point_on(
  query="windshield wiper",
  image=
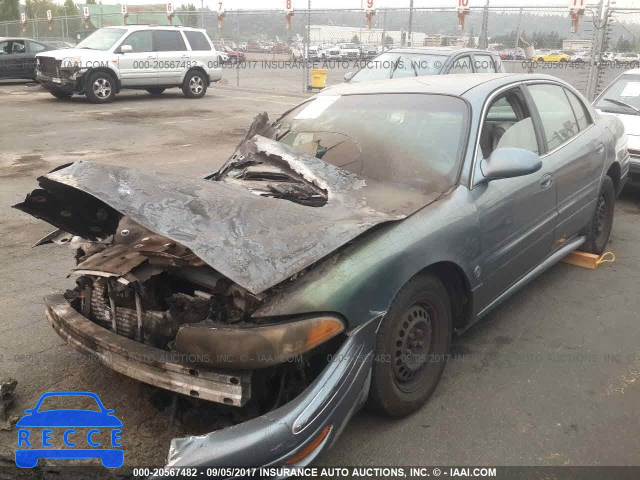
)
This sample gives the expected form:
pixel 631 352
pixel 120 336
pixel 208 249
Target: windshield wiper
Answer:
pixel 623 104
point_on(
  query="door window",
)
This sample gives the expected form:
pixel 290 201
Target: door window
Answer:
pixel 582 115
pixel 18 46
pixel 140 41
pixel 36 47
pixel 5 47
pixel 462 65
pixel 168 41
pixel 484 64
pixel 558 120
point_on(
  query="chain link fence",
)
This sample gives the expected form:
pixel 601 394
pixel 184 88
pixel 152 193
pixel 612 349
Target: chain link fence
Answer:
pixel 535 39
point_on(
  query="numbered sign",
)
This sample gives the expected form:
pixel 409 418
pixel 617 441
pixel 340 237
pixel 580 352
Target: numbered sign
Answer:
pixel 123 9
pixel 220 9
pixel 576 4
pixel 169 8
pixel 85 12
pixel 49 16
pixel 288 7
pixel 464 5
pixel 371 5
pixel 23 18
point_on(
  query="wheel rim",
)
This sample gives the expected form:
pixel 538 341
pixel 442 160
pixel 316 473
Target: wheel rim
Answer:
pixel 413 340
pixel 601 216
pixel 196 85
pixel 102 88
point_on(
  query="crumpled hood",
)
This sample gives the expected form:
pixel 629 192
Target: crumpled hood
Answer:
pixel 75 53
pixel 255 241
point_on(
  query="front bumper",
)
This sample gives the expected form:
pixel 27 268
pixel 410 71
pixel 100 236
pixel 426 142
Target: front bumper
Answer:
pixel 67 83
pixel 144 363
pixel 331 400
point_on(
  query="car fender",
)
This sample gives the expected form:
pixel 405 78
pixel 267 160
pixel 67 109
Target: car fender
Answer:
pixel 111 70
pixel 361 280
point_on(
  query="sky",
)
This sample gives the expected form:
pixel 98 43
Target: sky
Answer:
pixel 279 4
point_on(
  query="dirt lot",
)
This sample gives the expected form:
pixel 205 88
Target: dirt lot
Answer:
pixel 550 378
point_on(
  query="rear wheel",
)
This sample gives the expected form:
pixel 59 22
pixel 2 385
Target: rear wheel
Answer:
pixel 411 348
pixel 602 221
pixel 195 84
pixel 155 91
pixel 100 87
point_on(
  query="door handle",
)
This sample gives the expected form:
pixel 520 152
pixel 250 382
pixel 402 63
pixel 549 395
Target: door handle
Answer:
pixel 600 148
pixel 151 56
pixel 546 181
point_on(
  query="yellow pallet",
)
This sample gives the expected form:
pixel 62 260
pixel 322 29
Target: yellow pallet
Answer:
pixel 588 260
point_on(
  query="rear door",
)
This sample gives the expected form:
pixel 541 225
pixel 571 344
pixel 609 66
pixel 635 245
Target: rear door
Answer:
pixel 138 68
pixel 15 59
pixel 575 151
pixel 172 54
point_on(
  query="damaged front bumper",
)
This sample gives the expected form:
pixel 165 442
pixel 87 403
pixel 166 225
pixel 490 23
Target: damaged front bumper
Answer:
pixel 147 364
pixel 66 80
pixel 297 432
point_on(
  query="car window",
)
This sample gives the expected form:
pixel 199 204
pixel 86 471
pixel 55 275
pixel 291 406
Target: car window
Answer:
pixel 141 41
pixel 410 139
pixel 198 41
pixel 558 120
pixel 462 65
pixel 484 64
pixel 399 65
pixel 4 48
pixel 36 47
pixel 580 111
pixel 508 124
pixel 168 41
pixel 622 96
pixel 18 46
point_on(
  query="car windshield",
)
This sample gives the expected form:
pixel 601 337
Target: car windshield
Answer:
pixel 412 139
pixel 400 65
pixel 102 39
pixel 349 45
pixel 622 96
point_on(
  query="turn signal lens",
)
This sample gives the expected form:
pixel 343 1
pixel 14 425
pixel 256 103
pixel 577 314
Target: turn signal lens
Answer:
pixel 310 448
pixel 322 331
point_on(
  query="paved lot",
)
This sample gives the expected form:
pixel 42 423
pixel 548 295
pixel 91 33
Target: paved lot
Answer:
pixel 550 378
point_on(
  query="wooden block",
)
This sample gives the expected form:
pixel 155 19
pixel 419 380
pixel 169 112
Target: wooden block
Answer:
pixel 582 259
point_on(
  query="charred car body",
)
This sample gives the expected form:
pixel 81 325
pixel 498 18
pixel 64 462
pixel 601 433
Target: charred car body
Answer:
pixel 328 262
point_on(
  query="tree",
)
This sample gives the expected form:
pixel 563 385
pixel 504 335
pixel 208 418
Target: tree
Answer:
pixel 472 39
pixel 9 10
pixel 623 45
pixel 90 2
pixel 355 40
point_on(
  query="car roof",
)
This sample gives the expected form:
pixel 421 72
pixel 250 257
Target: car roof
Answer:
pixel 456 85
pixel 439 50
pixel 160 27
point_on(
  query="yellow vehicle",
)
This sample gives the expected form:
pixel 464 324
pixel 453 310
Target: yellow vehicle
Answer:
pixel 552 57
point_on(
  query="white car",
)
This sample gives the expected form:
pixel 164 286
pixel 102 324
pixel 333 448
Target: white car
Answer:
pixel 329 52
pixel 151 58
pixel 622 99
pixel 349 51
pixel 628 59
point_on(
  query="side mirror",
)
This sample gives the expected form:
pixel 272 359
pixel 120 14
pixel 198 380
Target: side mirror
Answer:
pixel 349 76
pixel 126 49
pixel 509 163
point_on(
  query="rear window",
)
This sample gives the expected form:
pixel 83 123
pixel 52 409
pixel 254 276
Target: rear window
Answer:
pixel 400 65
pixel 198 41
pixel 168 41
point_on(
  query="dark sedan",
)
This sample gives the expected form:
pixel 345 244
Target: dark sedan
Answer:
pixel 420 61
pixel 328 263
pixel 18 57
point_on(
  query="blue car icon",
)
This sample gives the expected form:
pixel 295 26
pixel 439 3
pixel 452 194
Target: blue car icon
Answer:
pixel 68 420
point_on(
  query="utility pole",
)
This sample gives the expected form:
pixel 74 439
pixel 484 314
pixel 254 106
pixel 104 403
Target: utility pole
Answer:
pixel 483 42
pixel 409 36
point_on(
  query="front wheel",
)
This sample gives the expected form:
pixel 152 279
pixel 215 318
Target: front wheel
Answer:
pixel 602 221
pixel 100 87
pixel 412 345
pixel 194 85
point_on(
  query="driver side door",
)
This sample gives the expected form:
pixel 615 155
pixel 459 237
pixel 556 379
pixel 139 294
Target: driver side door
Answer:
pixel 139 67
pixel 517 215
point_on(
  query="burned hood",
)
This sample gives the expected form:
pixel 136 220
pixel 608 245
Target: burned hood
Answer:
pixel 256 241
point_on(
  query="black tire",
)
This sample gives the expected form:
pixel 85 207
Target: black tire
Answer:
pixel 100 87
pixel 411 348
pixel 156 90
pixel 602 221
pixel 540 59
pixel 60 94
pixel 195 84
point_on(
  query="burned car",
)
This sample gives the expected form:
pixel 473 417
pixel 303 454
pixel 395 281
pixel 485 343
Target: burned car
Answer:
pixel 328 262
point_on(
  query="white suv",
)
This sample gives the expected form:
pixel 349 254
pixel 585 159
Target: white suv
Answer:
pixel 151 58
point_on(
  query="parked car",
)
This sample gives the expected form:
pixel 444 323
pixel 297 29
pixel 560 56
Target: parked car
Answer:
pixel 552 57
pixel 329 52
pixel 233 56
pixel 581 57
pixel 368 51
pixel 630 60
pixel 151 58
pixel 281 48
pixel 422 61
pixel 349 51
pixel 332 257
pixel 18 57
pixel 254 47
pixel 622 99
pixel 297 52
